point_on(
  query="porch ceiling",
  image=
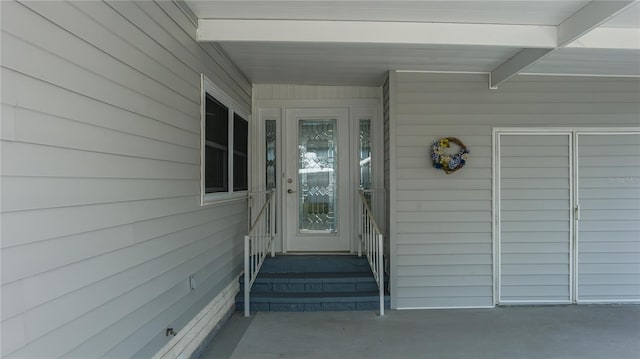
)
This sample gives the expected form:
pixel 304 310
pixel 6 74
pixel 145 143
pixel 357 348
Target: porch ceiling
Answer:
pixel 356 42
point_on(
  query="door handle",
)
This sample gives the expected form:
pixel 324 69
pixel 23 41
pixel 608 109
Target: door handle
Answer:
pixel 290 191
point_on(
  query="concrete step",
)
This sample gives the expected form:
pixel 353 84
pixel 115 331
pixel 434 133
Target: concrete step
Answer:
pixel 312 302
pixel 314 282
pixel 315 263
pixel 302 283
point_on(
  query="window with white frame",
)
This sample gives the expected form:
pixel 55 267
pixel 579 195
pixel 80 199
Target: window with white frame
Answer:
pixel 224 141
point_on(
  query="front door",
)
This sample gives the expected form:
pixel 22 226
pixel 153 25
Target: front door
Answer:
pixel 316 185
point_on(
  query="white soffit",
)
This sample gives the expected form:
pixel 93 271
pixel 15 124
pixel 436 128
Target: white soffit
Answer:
pixel 355 64
pixel 629 18
pixel 609 38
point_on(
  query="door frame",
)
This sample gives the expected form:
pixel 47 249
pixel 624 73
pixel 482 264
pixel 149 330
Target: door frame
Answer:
pixel 573 132
pixel 275 109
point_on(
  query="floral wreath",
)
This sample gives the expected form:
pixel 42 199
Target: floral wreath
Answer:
pixel 447 161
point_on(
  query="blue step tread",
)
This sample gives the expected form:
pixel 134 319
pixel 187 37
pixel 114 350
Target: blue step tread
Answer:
pixel 301 283
pixel 317 277
pixel 322 297
pixel 315 304
pixel 312 307
pixel 314 282
pixel 315 263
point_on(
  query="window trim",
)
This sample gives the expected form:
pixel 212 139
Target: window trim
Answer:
pixel 208 87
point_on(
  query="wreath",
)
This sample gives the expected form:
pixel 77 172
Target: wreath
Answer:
pixel 447 161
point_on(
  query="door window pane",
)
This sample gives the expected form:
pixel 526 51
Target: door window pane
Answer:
pixel 270 141
pixel 364 152
pixel 317 176
pixel 364 157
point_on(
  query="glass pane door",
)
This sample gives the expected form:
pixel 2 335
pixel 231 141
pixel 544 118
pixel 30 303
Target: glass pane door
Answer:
pixel 317 173
pixel 317 180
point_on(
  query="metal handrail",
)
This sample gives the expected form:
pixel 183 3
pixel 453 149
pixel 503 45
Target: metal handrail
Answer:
pixel 372 240
pixel 372 190
pixel 367 209
pixel 257 243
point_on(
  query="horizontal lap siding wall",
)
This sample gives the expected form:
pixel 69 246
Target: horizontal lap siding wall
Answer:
pixel 289 93
pixel 443 230
pixel 101 223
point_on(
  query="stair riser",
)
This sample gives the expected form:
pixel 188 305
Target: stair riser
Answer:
pixel 311 307
pixel 313 287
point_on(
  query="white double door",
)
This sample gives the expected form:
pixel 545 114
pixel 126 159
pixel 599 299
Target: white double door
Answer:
pixel 568 216
pixel 317 185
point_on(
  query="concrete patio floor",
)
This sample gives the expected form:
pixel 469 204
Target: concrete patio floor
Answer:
pixel 602 331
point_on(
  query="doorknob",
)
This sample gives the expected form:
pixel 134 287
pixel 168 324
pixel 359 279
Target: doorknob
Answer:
pixel 290 191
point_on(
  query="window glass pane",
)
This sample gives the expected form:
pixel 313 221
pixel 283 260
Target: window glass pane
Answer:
pixel 240 134
pixel 270 140
pixel 240 173
pixel 216 169
pixel 217 122
pixel 216 146
pixel 240 150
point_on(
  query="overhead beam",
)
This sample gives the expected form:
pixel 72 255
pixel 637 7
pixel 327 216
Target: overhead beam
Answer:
pixel 374 32
pixel 588 18
pixel 574 27
pixel 520 62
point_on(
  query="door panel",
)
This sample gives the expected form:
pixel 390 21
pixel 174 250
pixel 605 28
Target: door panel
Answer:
pixel 535 227
pixel 608 245
pixel 317 180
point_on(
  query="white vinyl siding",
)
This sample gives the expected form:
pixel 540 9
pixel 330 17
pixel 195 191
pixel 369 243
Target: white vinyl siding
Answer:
pixel 280 92
pixel 443 230
pixel 101 223
pixel 608 260
pixel 534 209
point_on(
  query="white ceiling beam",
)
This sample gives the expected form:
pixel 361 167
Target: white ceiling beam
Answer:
pixel 575 26
pixel 609 38
pixel 368 32
pixel 520 62
pixel 588 18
